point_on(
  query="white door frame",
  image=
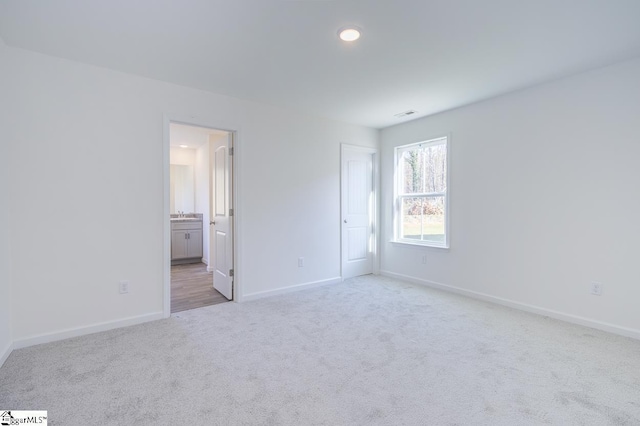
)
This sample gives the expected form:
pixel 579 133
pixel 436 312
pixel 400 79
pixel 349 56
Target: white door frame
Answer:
pixel 375 204
pixel 237 212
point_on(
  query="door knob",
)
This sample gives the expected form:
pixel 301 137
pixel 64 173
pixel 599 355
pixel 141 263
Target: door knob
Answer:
pixel 212 223
pixel 345 221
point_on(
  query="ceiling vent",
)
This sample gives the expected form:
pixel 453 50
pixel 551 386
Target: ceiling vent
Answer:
pixel 404 114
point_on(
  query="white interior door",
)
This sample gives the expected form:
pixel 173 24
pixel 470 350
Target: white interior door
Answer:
pixel 357 211
pixel 221 216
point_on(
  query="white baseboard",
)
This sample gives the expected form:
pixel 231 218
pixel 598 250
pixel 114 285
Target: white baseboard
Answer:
pixel 81 331
pixel 290 289
pixel 575 319
pixel 5 353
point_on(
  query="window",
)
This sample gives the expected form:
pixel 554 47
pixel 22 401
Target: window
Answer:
pixel 421 199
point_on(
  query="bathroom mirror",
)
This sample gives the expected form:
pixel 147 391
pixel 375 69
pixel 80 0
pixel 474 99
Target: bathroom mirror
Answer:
pixel 182 189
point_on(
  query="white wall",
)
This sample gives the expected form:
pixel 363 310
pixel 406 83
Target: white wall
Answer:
pixel 544 198
pixel 6 162
pixel 202 194
pixel 104 211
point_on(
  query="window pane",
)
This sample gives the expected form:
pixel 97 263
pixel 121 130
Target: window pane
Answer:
pixel 412 179
pixel 421 174
pixel 435 168
pixel 411 225
pixel 433 219
pixel 424 169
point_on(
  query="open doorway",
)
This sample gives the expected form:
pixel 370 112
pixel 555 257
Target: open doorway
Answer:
pixel 200 216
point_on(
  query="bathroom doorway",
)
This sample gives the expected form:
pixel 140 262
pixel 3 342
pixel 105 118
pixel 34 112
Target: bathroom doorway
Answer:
pixel 200 216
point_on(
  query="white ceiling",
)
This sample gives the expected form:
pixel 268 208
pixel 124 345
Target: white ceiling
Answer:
pixel 425 55
pixel 192 136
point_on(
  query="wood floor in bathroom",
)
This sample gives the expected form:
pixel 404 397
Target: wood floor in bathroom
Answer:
pixel 191 287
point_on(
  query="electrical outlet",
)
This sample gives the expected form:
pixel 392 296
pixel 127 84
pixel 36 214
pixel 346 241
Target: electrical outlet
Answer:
pixel 300 262
pixel 596 289
pixel 424 259
pixel 123 287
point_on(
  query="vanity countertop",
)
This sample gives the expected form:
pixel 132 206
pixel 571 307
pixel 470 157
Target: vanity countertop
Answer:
pixel 189 217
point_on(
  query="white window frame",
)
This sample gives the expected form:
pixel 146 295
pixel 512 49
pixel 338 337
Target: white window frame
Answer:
pixel 398 194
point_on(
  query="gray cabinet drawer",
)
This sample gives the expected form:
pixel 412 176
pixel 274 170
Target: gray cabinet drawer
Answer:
pixel 186 225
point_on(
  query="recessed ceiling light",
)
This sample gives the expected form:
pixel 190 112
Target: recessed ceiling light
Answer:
pixel 184 146
pixel 349 33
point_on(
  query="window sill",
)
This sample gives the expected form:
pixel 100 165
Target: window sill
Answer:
pixel 416 244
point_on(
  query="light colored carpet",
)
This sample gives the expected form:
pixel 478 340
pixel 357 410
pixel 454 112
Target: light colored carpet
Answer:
pixel 370 351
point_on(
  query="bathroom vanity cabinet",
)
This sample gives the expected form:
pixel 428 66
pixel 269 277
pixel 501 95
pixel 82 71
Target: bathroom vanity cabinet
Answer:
pixel 186 241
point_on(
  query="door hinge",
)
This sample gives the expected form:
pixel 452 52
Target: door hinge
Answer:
pixel 230 212
pixel 230 272
pixel 231 151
